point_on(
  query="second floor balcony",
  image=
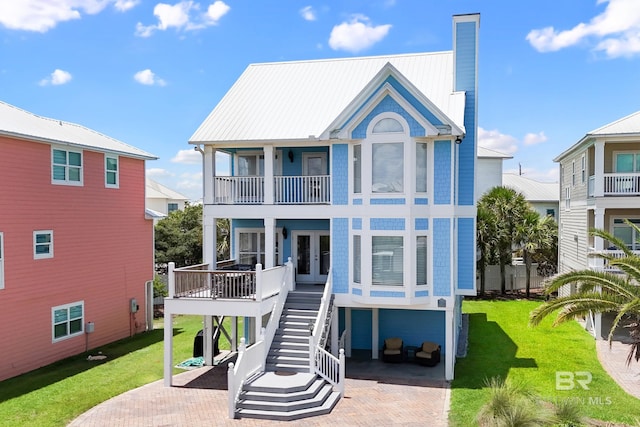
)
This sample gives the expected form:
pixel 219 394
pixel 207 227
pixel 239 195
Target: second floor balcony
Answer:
pixel 616 184
pixel 285 190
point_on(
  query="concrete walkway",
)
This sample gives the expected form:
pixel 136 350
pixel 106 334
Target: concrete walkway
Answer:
pixel 614 360
pixel 400 394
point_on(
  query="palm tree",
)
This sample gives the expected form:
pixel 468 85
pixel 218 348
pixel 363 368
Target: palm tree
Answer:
pixel 600 292
pixel 508 207
pixel 534 233
pixel 486 240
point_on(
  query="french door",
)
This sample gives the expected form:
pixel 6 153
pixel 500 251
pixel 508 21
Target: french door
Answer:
pixel 311 254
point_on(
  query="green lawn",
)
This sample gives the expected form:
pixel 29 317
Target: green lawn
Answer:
pixel 501 344
pixel 58 393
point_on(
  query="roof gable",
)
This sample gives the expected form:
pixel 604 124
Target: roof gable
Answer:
pixel 21 124
pixel 626 125
pixel 302 99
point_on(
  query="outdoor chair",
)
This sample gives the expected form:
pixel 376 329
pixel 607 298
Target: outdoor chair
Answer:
pixel 393 350
pixel 429 354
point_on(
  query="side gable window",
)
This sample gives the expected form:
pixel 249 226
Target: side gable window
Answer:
pixel 66 167
pixel 43 244
pixel 67 320
pixel 111 178
pixel 1 260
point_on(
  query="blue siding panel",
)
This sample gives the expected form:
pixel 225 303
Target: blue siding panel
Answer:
pixel 357 201
pixel 382 224
pixel 422 293
pixel 388 104
pixel 340 255
pixel 361 329
pixel 356 223
pixel 465 80
pixel 441 257
pixel 442 173
pixel 422 223
pixel 421 201
pixel 466 253
pixel 388 201
pixel 356 291
pixel 340 171
pixel 387 294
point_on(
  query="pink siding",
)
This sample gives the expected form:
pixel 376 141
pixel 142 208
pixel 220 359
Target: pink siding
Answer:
pixel 103 254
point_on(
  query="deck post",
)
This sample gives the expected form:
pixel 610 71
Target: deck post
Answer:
pixel 258 284
pixel 172 280
pixel 168 349
pixel 341 380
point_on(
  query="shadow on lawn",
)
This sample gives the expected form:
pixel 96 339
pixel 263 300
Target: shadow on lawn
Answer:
pixel 66 368
pixel 491 353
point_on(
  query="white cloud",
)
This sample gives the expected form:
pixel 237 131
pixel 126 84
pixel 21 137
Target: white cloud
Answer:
pixel 148 77
pixel 158 173
pixel 184 15
pixel 534 138
pixel 497 141
pixel 616 31
pixel 357 34
pixel 58 77
pixel 43 15
pixel 189 157
pixel 308 13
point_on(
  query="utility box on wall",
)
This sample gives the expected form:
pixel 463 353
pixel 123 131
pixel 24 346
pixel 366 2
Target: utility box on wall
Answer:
pixel 89 327
pixel 134 305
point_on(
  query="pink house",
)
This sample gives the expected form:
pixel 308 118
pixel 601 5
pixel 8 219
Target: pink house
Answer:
pixel 76 247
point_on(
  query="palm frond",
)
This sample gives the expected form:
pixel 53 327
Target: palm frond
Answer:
pixel 573 306
pixel 612 239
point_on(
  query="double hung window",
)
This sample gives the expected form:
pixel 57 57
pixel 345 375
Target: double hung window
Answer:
pixel 67 320
pixel 66 167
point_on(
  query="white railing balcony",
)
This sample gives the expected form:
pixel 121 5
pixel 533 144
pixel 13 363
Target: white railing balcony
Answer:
pixel 597 262
pixel 237 190
pixel 621 184
pixel 302 189
pixel 294 190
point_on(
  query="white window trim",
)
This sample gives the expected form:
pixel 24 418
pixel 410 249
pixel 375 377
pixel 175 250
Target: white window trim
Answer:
pixel 280 240
pixel 53 324
pixel 1 260
pixel 583 162
pixel 421 286
pixel 66 180
pixel 42 256
pixel 117 171
pixel 614 166
pixel 573 172
pixel 567 198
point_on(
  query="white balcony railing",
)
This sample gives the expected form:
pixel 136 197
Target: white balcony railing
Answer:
pixel 237 190
pixel 302 189
pixel 596 260
pixel 616 184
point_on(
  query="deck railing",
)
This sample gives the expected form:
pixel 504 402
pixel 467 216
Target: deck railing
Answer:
pixel 250 361
pixel 198 281
pixel 597 260
pixel 238 189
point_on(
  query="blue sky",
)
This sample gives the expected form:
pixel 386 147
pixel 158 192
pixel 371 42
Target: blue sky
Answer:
pixel 148 73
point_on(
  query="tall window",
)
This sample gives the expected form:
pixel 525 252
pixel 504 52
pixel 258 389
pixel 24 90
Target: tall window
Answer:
pixel 387 167
pixel 567 198
pixel 627 162
pixel 421 168
pixel 387 260
pixel 251 248
pixel 43 244
pixel 583 169
pixel 111 171
pixel 357 259
pixel 421 260
pixel 251 164
pixel 67 320
pixel 357 168
pixel 573 172
pixel 66 167
pixel 626 233
pixel 1 261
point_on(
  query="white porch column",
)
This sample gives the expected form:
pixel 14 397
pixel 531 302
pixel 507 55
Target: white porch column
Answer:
pixel 207 340
pixel 598 182
pixel 335 335
pixel 168 349
pixel 374 333
pixel 269 241
pixel 209 241
pixel 347 321
pixel 269 159
pixel 234 333
pixel 449 357
pixel 598 242
pixel 208 174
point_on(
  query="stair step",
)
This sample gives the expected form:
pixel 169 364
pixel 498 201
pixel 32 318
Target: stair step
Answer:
pixel 297 339
pixel 272 382
pixel 326 407
pixel 289 352
pixel 272 405
pixel 290 345
pixel 307 393
pixel 289 324
pixel 302 332
pixel 285 367
pixel 289 360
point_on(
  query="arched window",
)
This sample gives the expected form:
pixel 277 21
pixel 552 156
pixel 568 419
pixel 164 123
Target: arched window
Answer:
pixel 388 125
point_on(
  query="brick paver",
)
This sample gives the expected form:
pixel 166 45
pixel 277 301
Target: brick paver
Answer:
pixel 199 398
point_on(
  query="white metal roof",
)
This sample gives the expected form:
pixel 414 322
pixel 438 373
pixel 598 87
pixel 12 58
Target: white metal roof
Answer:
pixel 626 126
pixel 18 123
pixel 155 190
pixel 296 100
pixel 492 154
pixel 533 191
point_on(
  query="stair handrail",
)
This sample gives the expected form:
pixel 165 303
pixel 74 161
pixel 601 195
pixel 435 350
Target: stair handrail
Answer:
pixel 250 361
pixel 325 302
pixel 278 306
pixel 331 368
